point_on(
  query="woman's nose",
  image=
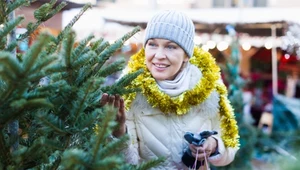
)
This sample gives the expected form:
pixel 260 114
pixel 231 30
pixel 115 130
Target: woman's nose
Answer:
pixel 160 54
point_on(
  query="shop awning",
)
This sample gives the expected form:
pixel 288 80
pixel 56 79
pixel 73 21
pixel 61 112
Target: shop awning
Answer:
pixel 253 21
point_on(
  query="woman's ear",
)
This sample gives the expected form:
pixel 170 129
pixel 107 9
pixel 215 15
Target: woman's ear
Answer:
pixel 186 58
pixel 184 63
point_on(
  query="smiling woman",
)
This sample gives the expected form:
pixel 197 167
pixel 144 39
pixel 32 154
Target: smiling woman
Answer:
pixel 181 92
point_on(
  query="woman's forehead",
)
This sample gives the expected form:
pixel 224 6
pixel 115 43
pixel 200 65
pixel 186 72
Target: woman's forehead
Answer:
pixel 162 40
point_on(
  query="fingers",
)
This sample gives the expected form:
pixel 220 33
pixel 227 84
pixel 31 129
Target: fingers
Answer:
pixel 200 155
pixel 104 99
pixel 193 148
pixel 117 102
pixel 113 100
pixel 122 115
pixel 199 152
pixel 210 145
pixel 122 106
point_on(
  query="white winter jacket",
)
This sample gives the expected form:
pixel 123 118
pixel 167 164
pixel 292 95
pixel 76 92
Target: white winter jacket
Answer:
pixel 154 134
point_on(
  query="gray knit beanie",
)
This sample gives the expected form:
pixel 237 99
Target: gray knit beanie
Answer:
pixel 174 26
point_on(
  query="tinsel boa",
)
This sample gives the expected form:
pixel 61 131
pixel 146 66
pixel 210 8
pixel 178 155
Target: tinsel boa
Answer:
pixel 181 104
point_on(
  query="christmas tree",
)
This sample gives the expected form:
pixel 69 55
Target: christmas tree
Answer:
pixel 248 134
pixel 50 115
pixel 275 150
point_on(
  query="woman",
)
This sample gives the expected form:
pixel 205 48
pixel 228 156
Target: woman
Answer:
pixel 182 92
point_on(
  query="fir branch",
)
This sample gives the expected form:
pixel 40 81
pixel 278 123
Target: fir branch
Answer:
pixel 9 66
pixel 52 47
pixel 119 87
pixel 113 162
pixel 113 147
pixel 44 63
pixel 11 46
pixel 16 4
pixel 17 108
pixel 3 42
pixel 64 32
pixel 57 88
pixel 31 27
pixel 104 129
pixel 56 68
pixel 82 45
pixel 112 68
pixel 52 123
pixel 58 78
pixel 44 13
pixel 5 156
pixel 96 44
pixel 102 46
pixel 151 163
pixel 35 154
pixel 86 50
pixel 88 70
pixel 110 50
pixel 54 163
pixel 57 84
pixel 82 98
pixel 75 159
pixel 33 53
pixel 57 9
pixel 87 120
pixel 34 78
pixel 23 104
pixel 9 86
pixel 10 25
pixel 82 74
pixel 3 15
pixel 41 13
pixel 83 59
pixel 37 94
pixel 121 91
pixel 67 49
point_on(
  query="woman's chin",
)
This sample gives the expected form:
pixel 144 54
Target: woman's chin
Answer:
pixel 162 78
pixel 159 78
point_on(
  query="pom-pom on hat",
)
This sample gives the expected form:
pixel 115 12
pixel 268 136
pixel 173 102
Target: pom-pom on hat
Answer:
pixel 174 26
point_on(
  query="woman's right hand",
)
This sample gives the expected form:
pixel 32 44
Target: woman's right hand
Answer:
pixel 200 152
pixel 117 102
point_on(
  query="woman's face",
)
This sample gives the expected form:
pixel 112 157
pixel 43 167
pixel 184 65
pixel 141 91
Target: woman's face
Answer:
pixel 164 58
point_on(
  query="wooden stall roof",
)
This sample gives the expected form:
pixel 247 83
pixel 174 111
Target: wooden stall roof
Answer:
pixel 253 21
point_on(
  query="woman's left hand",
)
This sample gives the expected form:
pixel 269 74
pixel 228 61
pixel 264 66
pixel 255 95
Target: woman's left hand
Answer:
pixel 117 102
pixel 200 152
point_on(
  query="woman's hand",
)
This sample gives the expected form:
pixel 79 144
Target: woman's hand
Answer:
pixel 117 102
pixel 200 152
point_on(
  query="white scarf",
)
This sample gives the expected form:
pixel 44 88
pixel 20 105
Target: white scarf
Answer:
pixel 178 85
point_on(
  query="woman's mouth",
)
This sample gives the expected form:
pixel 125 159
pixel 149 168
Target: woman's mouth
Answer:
pixel 161 65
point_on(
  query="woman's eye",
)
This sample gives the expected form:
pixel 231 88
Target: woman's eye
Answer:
pixel 151 44
pixel 171 46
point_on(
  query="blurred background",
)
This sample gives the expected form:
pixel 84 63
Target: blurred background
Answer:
pixel 267 33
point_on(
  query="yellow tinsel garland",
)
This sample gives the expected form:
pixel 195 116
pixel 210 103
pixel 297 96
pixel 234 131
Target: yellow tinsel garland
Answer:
pixel 182 103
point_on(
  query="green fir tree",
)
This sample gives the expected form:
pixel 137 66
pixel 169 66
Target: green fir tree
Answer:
pixel 51 94
pixel 276 150
pixel 235 94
